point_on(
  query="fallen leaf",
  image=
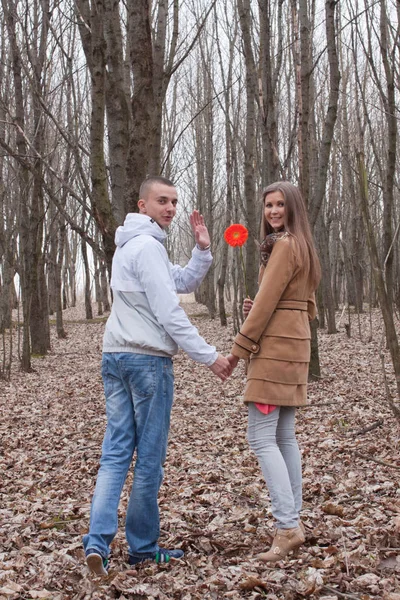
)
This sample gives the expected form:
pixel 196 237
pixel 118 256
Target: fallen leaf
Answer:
pixel 251 582
pixel 367 580
pixel 333 509
pixel 10 588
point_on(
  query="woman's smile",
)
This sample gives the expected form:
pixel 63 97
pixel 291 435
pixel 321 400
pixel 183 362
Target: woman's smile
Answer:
pixel 274 210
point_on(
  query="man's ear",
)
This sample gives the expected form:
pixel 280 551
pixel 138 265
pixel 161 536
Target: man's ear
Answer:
pixel 141 205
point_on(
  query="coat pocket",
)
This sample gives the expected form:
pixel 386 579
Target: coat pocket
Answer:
pixel 283 348
pixel 278 371
pixel 289 324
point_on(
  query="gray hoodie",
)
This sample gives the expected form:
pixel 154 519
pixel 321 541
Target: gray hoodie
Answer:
pixel 146 317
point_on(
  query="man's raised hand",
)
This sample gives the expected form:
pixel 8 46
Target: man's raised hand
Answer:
pixel 200 231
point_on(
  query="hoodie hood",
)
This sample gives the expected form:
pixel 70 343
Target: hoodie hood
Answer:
pixel 137 224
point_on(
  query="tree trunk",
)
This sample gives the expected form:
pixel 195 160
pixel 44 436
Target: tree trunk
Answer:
pixel 88 294
pixel 103 286
pixel 97 288
pixel 304 99
pixel 51 260
pixel 331 115
pixel 39 323
pixel 270 66
pixel 93 40
pixel 384 299
pixel 249 149
pixel 69 271
pixel 58 270
pixel 314 372
pixel 117 107
pixel 329 301
pixel 391 118
pixel 6 295
pixel 142 141
pixel 24 226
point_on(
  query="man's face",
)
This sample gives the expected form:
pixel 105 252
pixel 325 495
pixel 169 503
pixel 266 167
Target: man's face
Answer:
pixel 159 204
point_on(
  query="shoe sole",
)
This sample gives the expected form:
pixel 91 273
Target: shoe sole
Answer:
pixel 264 558
pixel 142 561
pixel 95 564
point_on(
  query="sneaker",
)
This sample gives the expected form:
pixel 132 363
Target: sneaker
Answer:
pixel 96 563
pixel 161 556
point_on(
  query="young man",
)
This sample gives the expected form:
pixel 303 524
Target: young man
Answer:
pixel 144 330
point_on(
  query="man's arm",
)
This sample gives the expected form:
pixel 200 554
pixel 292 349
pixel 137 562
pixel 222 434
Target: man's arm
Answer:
pixel 188 278
pixel 151 266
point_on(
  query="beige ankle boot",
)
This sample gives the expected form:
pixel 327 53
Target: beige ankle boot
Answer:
pixel 284 541
pixel 301 525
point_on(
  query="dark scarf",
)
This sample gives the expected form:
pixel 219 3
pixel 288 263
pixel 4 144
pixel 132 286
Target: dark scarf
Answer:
pixel 267 245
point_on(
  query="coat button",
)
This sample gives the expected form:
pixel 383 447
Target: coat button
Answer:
pixel 254 348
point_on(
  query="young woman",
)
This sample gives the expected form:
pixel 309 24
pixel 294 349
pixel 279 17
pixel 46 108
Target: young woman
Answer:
pixel 276 338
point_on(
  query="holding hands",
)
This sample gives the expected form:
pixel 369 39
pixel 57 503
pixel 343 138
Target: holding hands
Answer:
pixel 223 366
pixel 233 361
pixel 231 358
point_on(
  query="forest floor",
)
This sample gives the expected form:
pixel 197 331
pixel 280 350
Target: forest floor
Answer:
pixel 214 503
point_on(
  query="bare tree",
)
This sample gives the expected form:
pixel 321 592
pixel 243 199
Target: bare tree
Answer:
pixel 250 145
pixel 381 285
pixel 271 58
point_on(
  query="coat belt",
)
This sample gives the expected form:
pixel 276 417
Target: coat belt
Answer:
pixel 292 305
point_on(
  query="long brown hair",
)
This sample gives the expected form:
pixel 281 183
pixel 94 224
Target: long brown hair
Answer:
pixel 296 223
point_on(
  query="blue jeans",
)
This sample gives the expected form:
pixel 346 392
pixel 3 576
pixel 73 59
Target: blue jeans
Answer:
pixel 139 394
pixel 272 438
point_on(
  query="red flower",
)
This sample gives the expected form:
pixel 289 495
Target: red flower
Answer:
pixel 236 235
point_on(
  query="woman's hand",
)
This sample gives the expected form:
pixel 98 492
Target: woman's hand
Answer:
pixel 233 360
pixel 247 305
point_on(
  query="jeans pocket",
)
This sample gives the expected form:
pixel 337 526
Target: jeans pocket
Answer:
pixel 109 375
pixel 141 373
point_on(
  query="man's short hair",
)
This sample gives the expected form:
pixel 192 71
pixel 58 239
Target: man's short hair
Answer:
pixel 150 181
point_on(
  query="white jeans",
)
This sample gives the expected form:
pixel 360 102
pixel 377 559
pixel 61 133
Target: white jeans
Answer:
pixel 273 440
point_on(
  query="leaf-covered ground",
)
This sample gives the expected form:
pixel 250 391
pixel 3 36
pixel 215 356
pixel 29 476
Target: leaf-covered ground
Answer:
pixel 214 503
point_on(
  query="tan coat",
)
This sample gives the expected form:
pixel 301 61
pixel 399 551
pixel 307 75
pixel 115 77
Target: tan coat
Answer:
pixel 276 334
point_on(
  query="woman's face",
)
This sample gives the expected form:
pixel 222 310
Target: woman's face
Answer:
pixel 274 210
